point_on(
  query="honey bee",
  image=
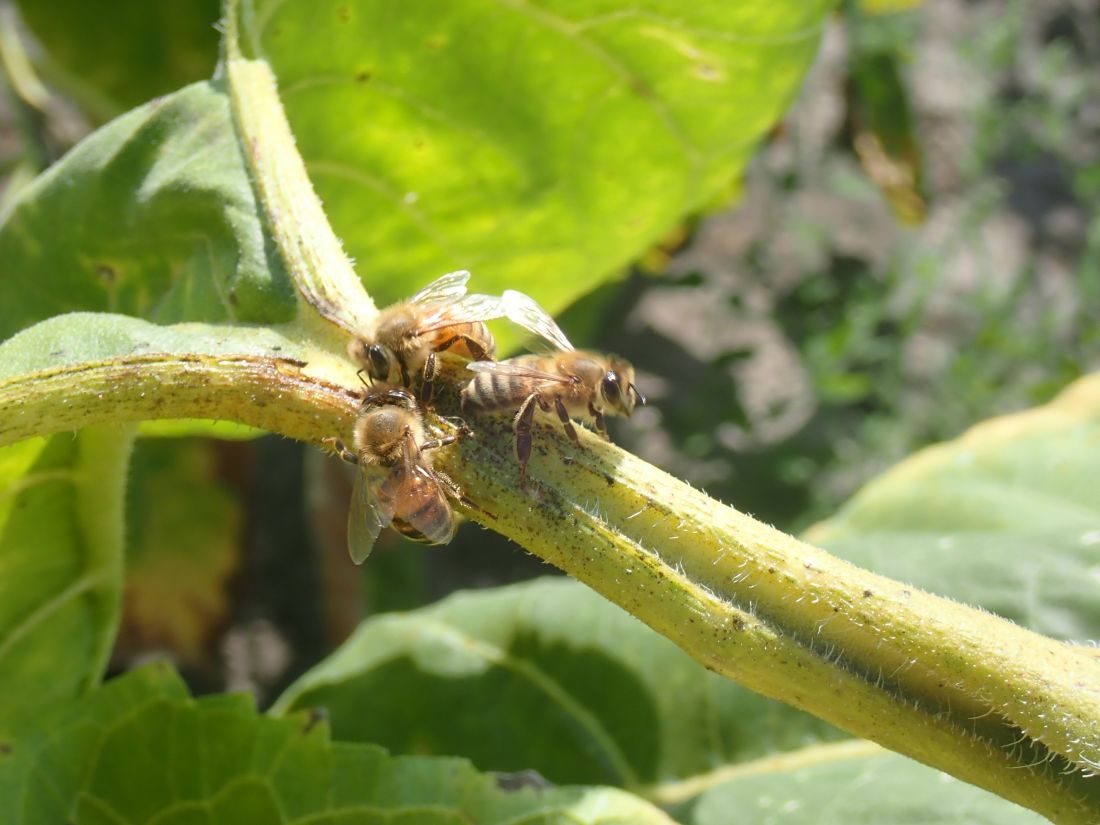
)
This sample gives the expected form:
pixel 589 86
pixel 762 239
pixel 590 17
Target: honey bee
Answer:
pixel 574 383
pixel 439 318
pixel 396 484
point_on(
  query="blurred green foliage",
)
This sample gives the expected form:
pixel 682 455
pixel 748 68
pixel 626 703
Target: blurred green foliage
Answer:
pixel 868 336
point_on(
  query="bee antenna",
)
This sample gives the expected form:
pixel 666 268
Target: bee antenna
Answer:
pixel 641 398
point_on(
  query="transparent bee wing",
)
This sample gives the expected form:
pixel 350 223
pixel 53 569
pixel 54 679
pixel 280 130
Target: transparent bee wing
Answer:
pixel 519 369
pixel 466 309
pixel 370 513
pixel 443 290
pixel 524 311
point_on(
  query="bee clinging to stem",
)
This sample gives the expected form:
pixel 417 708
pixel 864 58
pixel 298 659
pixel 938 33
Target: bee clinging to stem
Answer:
pixel 441 317
pixel 571 382
pixel 396 483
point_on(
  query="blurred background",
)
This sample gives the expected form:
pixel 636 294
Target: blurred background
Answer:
pixel 915 248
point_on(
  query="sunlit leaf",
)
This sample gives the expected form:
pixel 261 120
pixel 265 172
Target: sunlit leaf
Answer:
pixel 541 145
pixel 86 337
pixel 153 215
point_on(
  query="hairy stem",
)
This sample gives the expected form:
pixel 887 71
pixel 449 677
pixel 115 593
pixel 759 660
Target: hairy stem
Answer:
pixel 327 283
pixel 780 617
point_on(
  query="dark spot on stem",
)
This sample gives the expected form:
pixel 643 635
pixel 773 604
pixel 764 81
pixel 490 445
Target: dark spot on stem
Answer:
pixel 363 76
pixel 867 594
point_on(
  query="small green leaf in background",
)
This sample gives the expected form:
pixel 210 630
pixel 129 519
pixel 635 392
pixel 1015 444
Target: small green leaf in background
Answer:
pixel 140 750
pixel 1006 517
pixel 544 675
pixel 137 51
pixel 61 565
pixel 184 529
pixel 542 146
pixel 154 216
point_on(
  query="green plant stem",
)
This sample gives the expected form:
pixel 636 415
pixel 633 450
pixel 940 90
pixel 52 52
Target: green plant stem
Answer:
pixel 668 561
pixel 327 284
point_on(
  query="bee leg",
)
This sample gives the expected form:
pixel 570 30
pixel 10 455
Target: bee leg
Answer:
pixel 455 492
pixel 476 349
pixel 563 415
pixel 457 421
pixel 523 433
pixel 601 425
pixel 436 443
pixel 341 450
pixel 427 384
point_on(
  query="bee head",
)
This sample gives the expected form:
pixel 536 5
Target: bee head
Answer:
pixel 379 361
pixel 617 388
pixel 388 395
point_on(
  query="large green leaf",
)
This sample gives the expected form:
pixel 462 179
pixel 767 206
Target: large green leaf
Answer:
pixel 542 145
pixel 153 215
pixel 850 787
pixel 1006 517
pixel 140 750
pixel 136 52
pixel 548 675
pixel 544 675
pixel 61 535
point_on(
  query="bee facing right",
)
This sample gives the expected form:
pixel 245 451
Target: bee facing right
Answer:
pixel 571 382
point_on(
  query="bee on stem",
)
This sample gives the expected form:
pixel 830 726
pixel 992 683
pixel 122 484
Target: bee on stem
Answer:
pixel 396 484
pixel 572 383
pixel 405 338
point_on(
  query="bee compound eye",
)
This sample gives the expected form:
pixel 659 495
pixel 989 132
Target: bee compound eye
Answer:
pixel 379 362
pixel 609 387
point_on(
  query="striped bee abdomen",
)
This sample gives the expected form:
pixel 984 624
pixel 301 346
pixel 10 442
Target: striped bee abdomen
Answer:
pixel 490 392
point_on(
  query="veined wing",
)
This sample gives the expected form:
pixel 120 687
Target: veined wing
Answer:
pixel 519 369
pixel 370 513
pixel 524 311
pixel 463 311
pixel 445 289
